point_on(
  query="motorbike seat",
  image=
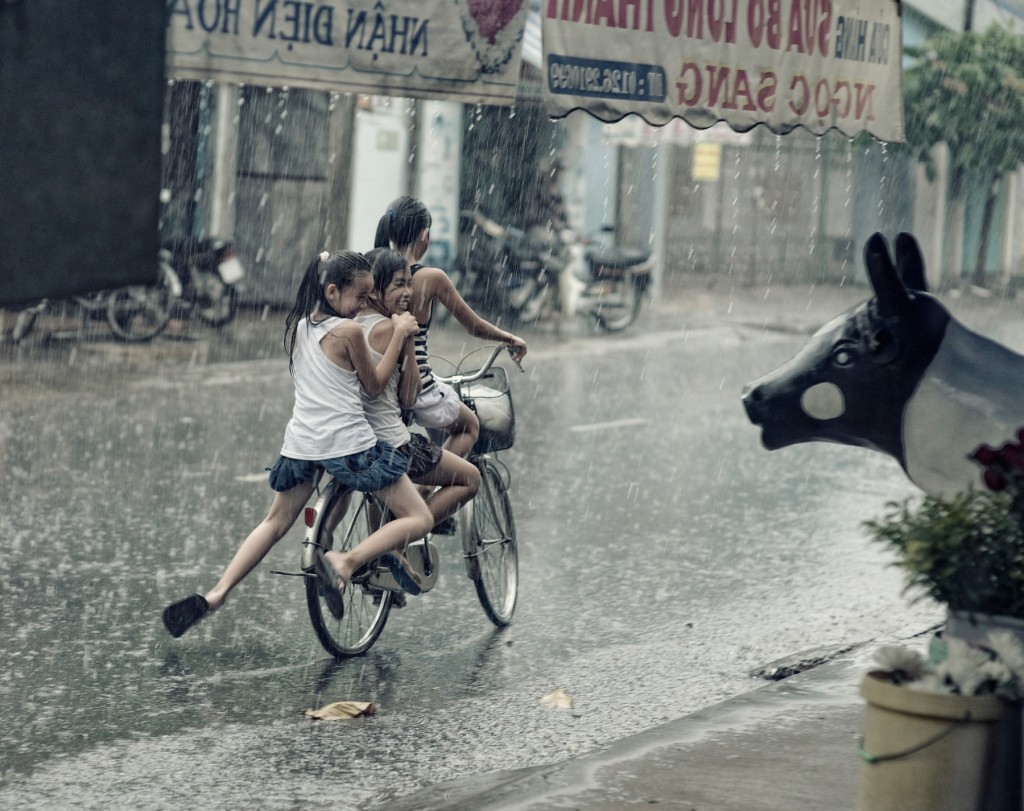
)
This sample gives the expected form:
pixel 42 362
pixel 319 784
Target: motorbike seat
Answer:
pixel 618 258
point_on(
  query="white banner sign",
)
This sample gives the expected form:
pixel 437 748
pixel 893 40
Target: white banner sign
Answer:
pixel 464 50
pixel 783 63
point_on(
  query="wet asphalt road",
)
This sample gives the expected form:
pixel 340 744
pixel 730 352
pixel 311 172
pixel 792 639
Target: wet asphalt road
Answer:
pixel 663 556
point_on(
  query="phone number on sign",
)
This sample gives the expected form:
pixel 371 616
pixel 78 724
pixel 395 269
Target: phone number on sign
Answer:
pixel 589 77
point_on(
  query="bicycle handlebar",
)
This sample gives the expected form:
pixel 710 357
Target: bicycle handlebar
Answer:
pixel 459 379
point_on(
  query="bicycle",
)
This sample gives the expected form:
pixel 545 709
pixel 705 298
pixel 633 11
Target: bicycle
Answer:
pixel 340 519
pixel 134 314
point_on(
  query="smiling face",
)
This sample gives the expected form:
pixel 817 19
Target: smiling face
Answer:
pixel 349 300
pixel 396 296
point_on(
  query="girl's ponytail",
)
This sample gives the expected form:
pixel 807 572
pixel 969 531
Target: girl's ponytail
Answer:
pixel 341 269
pixel 402 223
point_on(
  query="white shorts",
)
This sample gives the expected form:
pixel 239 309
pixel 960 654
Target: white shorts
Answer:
pixel 437 408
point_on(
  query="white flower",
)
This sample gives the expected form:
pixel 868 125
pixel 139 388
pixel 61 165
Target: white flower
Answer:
pixel 324 256
pixel 964 666
pixel 909 664
pixel 1008 648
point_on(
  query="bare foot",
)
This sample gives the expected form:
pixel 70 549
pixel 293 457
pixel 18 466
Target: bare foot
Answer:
pixel 339 566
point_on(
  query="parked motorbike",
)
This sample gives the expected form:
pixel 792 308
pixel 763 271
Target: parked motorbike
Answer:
pixel 525 275
pixel 500 270
pixel 209 272
pixel 603 281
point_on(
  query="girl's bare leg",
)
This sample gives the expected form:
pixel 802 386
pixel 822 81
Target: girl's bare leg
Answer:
pixel 463 432
pixel 458 481
pixel 412 520
pixel 284 511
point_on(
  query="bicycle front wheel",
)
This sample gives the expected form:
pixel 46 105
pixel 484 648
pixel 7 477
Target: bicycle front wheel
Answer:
pixel 139 312
pixel 350 625
pixel 491 549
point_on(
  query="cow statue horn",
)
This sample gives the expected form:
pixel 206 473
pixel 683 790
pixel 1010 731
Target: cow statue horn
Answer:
pixel 897 374
pixel 891 294
pixel 910 263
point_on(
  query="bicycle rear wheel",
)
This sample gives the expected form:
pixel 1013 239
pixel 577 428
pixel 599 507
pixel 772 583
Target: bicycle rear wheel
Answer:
pixel 348 627
pixel 490 546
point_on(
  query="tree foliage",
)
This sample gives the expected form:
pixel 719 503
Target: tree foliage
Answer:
pixel 967 90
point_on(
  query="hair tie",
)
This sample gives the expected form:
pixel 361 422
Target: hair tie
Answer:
pixel 392 213
pixel 324 256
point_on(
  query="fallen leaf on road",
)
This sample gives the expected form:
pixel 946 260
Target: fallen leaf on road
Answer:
pixel 341 710
pixel 557 699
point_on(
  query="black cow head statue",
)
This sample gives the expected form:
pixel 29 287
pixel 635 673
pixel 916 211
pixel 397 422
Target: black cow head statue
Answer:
pixel 899 375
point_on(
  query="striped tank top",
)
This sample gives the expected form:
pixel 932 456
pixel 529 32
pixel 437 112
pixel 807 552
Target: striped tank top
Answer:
pixel 427 382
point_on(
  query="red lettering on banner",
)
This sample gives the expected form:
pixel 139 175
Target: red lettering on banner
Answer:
pixel 763 23
pixel 604 12
pixel 742 88
pixel 728 88
pixel 796 27
pixel 718 78
pixel 720 24
pixel 636 7
pixel 810 22
pixel 635 14
pixel 720 16
pixel 864 92
pixel 695 86
pixel 824 26
pixel 578 7
pixel 831 99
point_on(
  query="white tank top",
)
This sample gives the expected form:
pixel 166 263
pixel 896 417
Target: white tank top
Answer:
pixel 327 419
pixel 384 412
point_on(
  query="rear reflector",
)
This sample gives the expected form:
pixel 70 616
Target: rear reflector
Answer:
pixel 310 516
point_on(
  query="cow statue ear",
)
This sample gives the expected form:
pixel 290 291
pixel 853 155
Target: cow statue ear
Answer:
pixel 910 262
pixel 892 296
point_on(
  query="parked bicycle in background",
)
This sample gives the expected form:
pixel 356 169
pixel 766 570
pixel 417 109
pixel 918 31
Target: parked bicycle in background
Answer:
pixel 135 313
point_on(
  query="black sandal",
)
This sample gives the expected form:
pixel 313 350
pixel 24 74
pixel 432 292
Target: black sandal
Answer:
pixel 182 615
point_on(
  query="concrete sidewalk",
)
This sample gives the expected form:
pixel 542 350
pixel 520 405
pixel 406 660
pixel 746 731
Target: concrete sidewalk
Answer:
pixel 789 745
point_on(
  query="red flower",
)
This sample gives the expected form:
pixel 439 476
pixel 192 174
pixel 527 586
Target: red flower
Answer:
pixel 994 480
pixel 985 455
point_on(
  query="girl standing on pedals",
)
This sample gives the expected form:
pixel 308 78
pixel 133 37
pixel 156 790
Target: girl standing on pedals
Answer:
pixel 328 360
pixel 429 464
pixel 405 227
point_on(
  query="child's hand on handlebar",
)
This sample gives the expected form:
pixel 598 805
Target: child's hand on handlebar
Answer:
pixel 405 324
pixel 517 348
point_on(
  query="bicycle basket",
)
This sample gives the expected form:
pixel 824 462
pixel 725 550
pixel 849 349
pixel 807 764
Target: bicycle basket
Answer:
pixel 490 398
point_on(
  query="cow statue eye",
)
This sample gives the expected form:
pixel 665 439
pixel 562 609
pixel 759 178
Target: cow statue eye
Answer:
pixel 883 346
pixel 843 356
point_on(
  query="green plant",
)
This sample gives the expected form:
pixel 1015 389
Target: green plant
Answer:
pixel 968 551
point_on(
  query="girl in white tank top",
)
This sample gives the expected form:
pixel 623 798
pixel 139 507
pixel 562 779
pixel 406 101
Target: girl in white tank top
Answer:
pixel 329 360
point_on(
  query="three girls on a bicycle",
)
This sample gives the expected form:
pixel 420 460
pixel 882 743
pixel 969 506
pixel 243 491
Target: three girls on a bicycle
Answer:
pixel 331 362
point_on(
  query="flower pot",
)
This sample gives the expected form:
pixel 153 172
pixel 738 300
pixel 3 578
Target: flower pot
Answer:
pixel 926 751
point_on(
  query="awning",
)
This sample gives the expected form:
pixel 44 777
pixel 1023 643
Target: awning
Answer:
pixel 458 50
pixel 820 64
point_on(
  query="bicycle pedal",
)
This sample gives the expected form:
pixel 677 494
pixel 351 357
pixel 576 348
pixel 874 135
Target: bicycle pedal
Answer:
pixel 416 555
